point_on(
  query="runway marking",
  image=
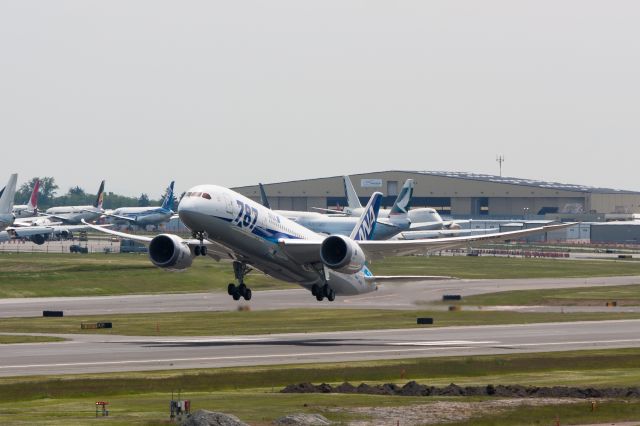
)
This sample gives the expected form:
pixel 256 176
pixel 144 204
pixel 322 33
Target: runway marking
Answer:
pixel 221 358
pixel 584 342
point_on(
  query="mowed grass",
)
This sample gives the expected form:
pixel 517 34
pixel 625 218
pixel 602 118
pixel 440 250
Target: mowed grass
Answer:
pixel 46 275
pixel 625 295
pixel 285 321
pixel 9 339
pixel 43 275
pixel 251 393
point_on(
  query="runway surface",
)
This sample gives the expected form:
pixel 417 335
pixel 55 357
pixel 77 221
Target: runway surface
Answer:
pixel 112 353
pixel 390 296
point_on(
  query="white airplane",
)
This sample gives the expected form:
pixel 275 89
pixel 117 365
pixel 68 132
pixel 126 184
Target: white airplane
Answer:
pixel 30 209
pixel 427 217
pixel 6 202
pixel 77 214
pixel 228 225
pixel 143 216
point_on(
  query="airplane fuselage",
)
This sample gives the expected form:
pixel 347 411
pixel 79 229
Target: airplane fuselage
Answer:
pixel 75 214
pixel 143 216
pixel 252 232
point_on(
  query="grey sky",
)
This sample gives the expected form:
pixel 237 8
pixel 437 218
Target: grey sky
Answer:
pixel 142 92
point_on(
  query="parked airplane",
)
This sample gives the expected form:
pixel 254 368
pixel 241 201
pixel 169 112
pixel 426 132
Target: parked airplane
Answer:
pixel 76 214
pixel 6 202
pixel 30 209
pixel 426 216
pixel 228 225
pixel 143 216
pixel 327 224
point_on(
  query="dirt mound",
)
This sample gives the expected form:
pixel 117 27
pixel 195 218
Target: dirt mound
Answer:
pixel 211 418
pixel 302 420
pixel 503 391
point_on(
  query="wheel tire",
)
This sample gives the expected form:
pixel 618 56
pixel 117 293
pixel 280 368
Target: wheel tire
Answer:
pixel 236 295
pixel 319 297
pixel 242 289
pixel 196 250
pixel 247 294
pixel 203 251
pixel 332 295
pixel 231 288
pixel 314 289
pixel 325 290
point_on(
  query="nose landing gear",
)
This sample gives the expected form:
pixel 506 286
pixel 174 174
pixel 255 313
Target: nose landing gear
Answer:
pixel 200 250
pixel 240 269
pixel 320 292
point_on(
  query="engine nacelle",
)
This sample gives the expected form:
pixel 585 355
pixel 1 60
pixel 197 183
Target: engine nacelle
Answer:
pixel 170 252
pixel 342 254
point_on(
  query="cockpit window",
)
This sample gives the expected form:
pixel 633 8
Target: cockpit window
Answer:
pixel 205 195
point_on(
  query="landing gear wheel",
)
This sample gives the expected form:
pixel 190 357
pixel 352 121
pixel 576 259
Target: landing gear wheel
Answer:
pixel 315 289
pixel 203 251
pixel 231 288
pixel 319 297
pixel 196 250
pixel 236 295
pixel 331 295
pixel 247 294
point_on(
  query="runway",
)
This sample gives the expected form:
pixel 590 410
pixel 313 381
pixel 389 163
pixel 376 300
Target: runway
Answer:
pixel 112 353
pixel 390 296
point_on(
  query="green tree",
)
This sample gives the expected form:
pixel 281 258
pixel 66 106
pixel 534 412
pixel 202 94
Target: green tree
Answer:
pixel 143 200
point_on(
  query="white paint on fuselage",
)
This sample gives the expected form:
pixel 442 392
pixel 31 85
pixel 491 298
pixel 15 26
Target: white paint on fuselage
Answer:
pixel 75 214
pixel 217 217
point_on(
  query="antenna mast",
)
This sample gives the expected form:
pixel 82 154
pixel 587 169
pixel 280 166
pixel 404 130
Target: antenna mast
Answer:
pixel 500 160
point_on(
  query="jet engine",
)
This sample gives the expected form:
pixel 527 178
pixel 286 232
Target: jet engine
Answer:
pixel 342 254
pixel 170 252
pixel 39 239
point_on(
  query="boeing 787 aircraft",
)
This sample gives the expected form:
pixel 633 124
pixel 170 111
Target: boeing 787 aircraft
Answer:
pixel 77 214
pixel 227 225
pixel 143 216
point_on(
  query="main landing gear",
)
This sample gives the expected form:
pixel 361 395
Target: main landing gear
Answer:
pixel 241 290
pixel 200 250
pixel 320 292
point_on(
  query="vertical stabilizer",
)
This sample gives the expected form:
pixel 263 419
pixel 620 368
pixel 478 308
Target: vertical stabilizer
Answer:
pixel 352 196
pixel 33 201
pixel 6 200
pixel 403 201
pixel 167 203
pixel 100 198
pixel 367 223
pixel 264 200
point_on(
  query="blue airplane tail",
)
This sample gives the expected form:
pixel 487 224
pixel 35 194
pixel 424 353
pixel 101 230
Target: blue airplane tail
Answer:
pixel 167 204
pixel 367 223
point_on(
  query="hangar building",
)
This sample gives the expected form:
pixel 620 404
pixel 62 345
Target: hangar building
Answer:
pixel 456 194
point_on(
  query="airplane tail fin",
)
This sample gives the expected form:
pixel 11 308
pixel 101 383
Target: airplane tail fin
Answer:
pixel 167 203
pixel 403 201
pixel 100 198
pixel 33 201
pixel 352 196
pixel 6 200
pixel 264 200
pixel 367 223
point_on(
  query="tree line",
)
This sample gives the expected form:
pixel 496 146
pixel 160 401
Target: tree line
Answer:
pixel 77 196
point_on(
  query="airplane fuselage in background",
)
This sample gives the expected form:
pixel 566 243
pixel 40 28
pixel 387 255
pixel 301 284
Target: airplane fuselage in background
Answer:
pixel 252 231
pixel 75 214
pixel 142 216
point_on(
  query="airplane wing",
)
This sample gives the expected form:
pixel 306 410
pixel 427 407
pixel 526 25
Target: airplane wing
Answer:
pixel 307 251
pixel 335 212
pixel 407 278
pixel 28 231
pixel 214 250
pixel 117 216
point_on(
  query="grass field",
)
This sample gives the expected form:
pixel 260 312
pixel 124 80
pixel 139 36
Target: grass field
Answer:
pixel 252 393
pixel 284 321
pixel 42 275
pixel 625 295
pixel 9 339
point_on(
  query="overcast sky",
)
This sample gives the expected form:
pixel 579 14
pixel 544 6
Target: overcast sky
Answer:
pixel 236 92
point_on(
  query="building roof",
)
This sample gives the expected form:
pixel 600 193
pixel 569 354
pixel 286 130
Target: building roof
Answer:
pixel 524 182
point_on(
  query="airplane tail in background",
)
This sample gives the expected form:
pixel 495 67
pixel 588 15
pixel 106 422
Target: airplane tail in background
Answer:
pixel 167 203
pixel 352 196
pixel 6 200
pixel 264 200
pixel 367 223
pixel 100 198
pixel 33 201
pixel 403 201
